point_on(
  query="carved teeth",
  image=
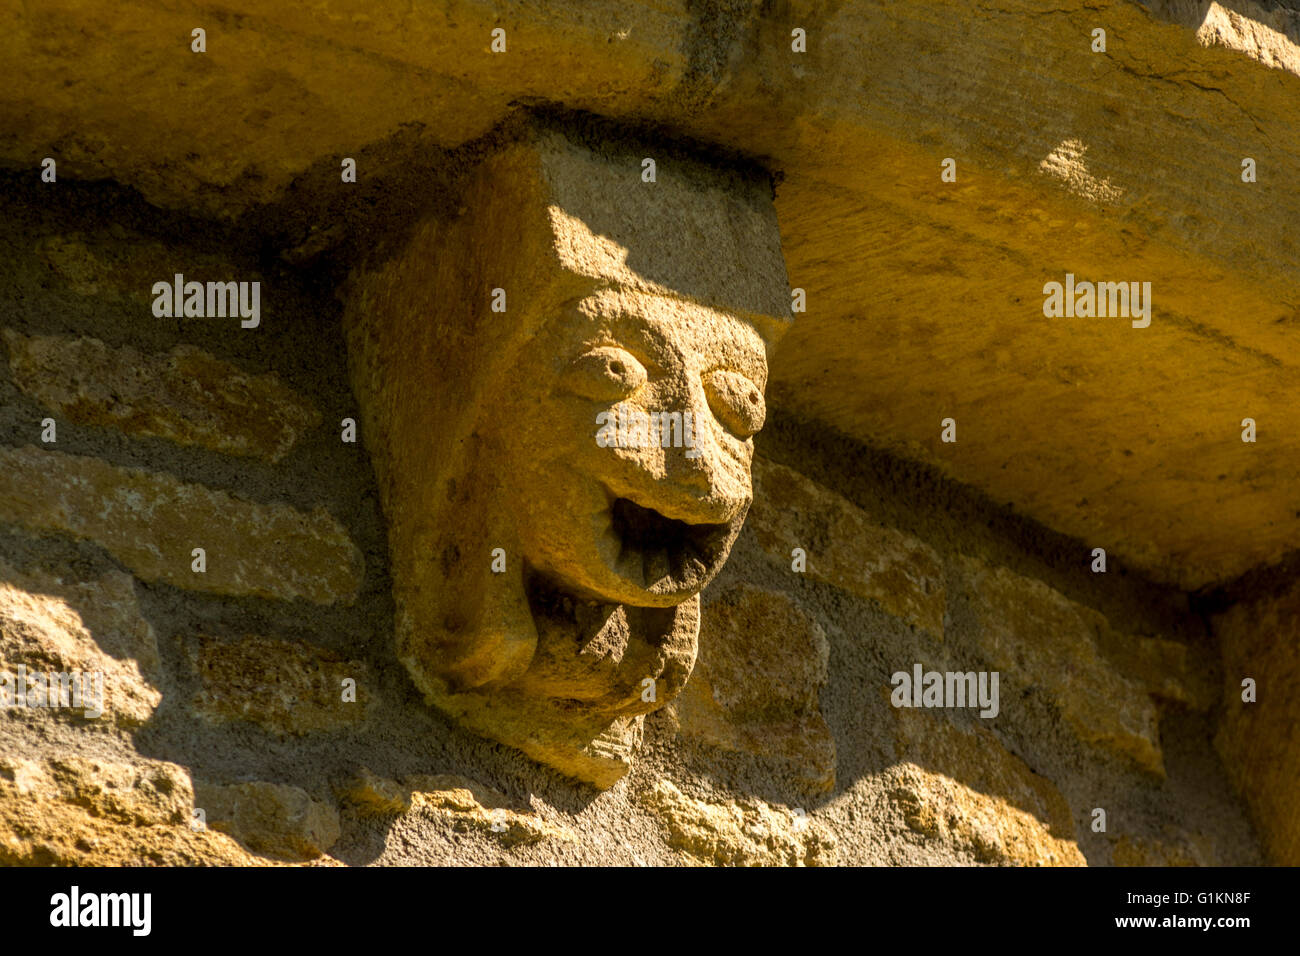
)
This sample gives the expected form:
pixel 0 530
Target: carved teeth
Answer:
pixel 609 543
pixel 664 553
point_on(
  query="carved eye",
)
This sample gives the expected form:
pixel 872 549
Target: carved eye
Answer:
pixel 736 401
pixel 605 374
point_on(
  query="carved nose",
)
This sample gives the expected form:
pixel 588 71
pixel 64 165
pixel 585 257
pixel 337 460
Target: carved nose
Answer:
pixel 691 468
pixel 693 477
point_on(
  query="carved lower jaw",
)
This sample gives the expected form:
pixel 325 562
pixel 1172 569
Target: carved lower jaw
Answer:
pixel 579 706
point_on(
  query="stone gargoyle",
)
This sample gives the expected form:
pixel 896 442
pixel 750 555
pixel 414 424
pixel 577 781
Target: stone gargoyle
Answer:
pixel 559 388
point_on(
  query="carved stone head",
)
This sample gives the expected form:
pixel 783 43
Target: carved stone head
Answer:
pixel 559 388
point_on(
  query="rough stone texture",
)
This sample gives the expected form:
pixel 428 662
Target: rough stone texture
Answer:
pixel 89 627
pixel 858 127
pixel 272 818
pixel 1036 637
pixel 743 833
pixel 1131 851
pixel 123 265
pixel 282 686
pixel 1267 31
pixel 75 811
pixel 151 523
pixel 756 682
pixel 470 806
pixel 1170 670
pixel 963 788
pixel 186 395
pixel 567 561
pixel 1260 742
pixel 844 547
pixel 983 806
pixel 372 795
pixel 953 294
pixel 923 302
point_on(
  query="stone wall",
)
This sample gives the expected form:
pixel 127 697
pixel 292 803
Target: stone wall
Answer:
pixel 1259 731
pixel 226 688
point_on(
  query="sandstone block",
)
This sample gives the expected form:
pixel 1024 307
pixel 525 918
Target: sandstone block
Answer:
pixel 741 833
pixel 78 811
pixel 1036 636
pixel 151 522
pixel 185 395
pixel 372 795
pixel 964 789
pixel 75 263
pixel 119 264
pixel 272 818
pixel 1142 851
pixel 1260 742
pixel 90 634
pixel 1170 670
pixel 468 806
pixel 286 687
pixel 756 683
pixel 845 547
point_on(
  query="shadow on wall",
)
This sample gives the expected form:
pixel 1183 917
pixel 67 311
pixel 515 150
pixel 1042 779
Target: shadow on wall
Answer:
pixel 264 690
pixel 1238 18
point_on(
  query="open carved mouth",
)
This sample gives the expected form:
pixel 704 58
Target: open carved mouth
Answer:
pixel 667 555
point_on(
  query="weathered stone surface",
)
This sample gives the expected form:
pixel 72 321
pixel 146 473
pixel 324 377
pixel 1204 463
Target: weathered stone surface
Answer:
pixel 1266 31
pixel 463 805
pixel 272 818
pixel 744 833
pixel 1171 844
pixel 858 130
pixel 151 522
pixel 104 804
pixel 1068 164
pixel 283 686
pixel 964 789
pixel 602 761
pixel 634 52
pixel 121 264
pixel 372 795
pixel 1260 742
pixel 1035 636
pixel 79 811
pixel 547 575
pixel 1122 165
pixel 756 684
pixel 1167 669
pixel 72 260
pixel 960 330
pixel 845 547
pixel 83 629
pixel 1139 851
pixel 185 395
pixel 130 794
pixel 469 806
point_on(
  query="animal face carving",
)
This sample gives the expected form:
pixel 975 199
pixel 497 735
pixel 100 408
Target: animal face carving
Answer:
pixel 647 516
pixel 596 437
